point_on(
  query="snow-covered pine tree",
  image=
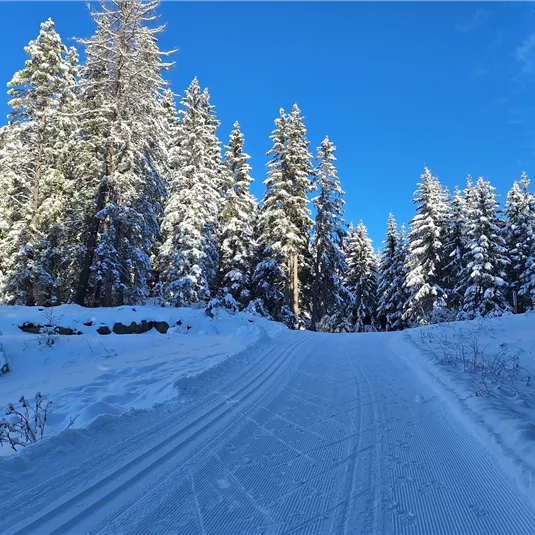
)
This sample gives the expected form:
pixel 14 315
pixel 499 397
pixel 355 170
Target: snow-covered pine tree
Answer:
pixel 486 261
pixel 60 228
pixel 237 220
pixel 269 281
pixel 361 277
pixel 401 270
pixel 285 217
pixel 425 278
pixel 32 162
pixel 391 295
pixel 170 126
pixel 120 90
pixel 457 246
pixel 268 284
pixel 299 168
pixel 169 143
pixel 454 247
pixel 520 241
pixel 329 295
pixel 189 253
pixel 386 278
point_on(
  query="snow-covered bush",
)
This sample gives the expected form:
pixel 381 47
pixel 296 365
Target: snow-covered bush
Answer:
pixel 24 423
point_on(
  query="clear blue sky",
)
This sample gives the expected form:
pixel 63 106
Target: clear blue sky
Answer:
pixel 396 86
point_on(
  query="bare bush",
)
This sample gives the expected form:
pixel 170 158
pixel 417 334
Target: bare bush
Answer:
pixel 496 369
pixel 49 332
pixel 25 423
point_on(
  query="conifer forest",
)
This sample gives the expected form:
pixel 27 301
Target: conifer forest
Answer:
pixel 115 191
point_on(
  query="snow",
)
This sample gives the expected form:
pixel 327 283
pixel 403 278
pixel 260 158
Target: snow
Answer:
pixel 296 432
pixel 90 375
pixel 504 419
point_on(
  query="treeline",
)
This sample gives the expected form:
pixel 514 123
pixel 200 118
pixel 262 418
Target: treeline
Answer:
pixel 109 195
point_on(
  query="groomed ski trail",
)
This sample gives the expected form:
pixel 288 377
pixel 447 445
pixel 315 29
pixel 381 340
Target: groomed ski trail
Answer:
pixel 315 434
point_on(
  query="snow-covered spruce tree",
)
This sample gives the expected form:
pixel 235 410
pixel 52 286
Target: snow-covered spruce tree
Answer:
pixel 299 167
pixel 55 273
pixel 457 245
pixel 171 132
pixel 11 168
pixel 189 253
pixel 425 278
pixel 32 166
pixel 272 224
pixel 486 260
pixel 169 143
pixel 285 217
pixel 361 277
pixel 519 235
pixel 455 249
pixel 237 220
pixel 329 295
pixel 391 277
pixel 268 284
pixel 120 89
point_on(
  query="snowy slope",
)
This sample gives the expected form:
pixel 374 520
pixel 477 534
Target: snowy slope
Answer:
pixel 90 375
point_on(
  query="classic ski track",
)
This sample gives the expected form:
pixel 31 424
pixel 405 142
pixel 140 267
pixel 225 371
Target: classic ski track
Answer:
pixel 334 435
pixel 159 486
pixel 49 480
pixel 170 445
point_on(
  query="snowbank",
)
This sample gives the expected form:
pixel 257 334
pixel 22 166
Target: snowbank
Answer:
pixel 500 413
pixel 90 375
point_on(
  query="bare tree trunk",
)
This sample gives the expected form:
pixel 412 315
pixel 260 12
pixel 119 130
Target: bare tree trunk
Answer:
pixel 315 294
pixel 30 298
pixel 289 290
pixel 295 285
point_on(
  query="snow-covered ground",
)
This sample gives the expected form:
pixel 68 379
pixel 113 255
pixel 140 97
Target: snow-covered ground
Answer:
pixel 295 433
pixel 90 375
pixel 496 400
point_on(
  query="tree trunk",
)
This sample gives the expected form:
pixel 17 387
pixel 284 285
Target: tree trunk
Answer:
pixel 315 294
pixel 289 280
pixel 30 298
pixel 295 285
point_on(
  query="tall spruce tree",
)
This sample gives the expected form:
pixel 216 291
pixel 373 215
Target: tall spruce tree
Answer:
pixel 237 220
pixel 361 277
pixel 486 262
pixel 520 241
pixel 329 295
pixel 33 165
pixel 285 217
pixel 189 253
pixel 391 277
pixel 120 89
pixel 425 279
pixel 299 167
pixel 272 222
pixel 455 250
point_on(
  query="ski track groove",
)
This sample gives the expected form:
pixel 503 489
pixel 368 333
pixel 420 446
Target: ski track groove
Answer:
pixel 195 499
